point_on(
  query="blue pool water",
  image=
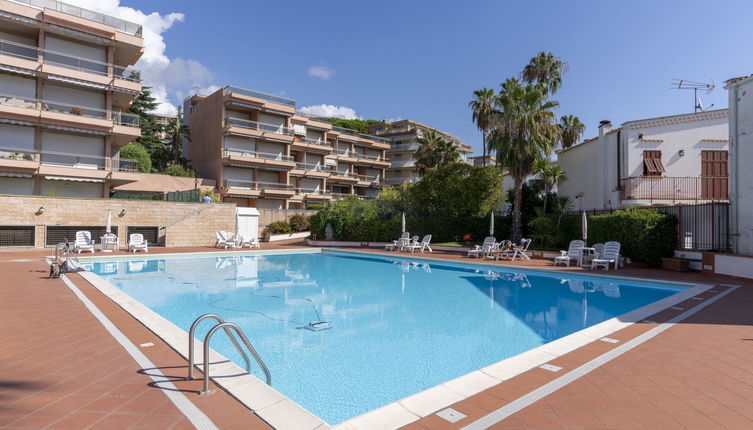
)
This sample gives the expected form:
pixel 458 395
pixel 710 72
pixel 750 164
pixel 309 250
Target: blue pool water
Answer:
pixel 399 325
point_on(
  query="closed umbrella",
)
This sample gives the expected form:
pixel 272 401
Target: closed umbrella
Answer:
pixel 403 222
pixel 108 223
pixel 491 224
pixel 584 227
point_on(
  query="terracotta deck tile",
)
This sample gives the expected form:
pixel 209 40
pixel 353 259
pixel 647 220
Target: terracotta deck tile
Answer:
pixel 77 420
pixel 613 420
pixel 113 422
pixel 733 422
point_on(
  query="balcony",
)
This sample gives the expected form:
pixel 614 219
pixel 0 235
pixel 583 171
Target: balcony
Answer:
pixel 412 147
pixel 360 157
pixel 55 162
pixel 399 180
pixel 257 189
pixel 337 176
pixel 397 164
pixel 260 95
pixel 662 190
pixel 310 170
pixel 262 129
pixel 66 112
pixel 314 193
pixel 120 25
pixel 316 145
pixel 394 130
pixel 257 158
pixel 361 135
pixel 32 53
pixel 368 179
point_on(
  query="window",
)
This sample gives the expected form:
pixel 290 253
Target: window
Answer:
pixel 652 165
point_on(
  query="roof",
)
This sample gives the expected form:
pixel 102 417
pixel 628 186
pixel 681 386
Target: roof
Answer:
pixel 578 145
pixel 737 81
pixel 416 123
pixel 156 183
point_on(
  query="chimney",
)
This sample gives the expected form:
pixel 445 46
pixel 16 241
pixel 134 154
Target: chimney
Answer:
pixel 604 127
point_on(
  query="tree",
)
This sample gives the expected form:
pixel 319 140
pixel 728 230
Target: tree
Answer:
pixel 144 106
pixel 549 173
pixel 524 132
pixel 176 132
pixel 137 152
pixel 571 129
pixel 544 70
pixel 434 151
pixel 175 169
pixel 359 125
pixel 483 112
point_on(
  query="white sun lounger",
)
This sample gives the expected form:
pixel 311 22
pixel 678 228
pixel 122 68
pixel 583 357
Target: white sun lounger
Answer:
pixel 574 252
pixel 136 242
pixel 83 242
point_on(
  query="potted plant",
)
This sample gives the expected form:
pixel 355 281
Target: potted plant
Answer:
pixel 77 111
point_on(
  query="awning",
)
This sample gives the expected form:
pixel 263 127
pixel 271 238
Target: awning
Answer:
pixel 299 129
pixel 76 130
pixel 18 70
pixel 79 82
pixel 73 179
pixel 278 112
pixel 245 105
pixel 20 18
pixel 100 40
pixel 15 175
pixel 15 122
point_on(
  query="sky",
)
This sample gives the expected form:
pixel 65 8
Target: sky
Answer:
pixel 422 60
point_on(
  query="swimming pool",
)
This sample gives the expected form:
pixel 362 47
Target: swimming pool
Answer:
pixel 399 325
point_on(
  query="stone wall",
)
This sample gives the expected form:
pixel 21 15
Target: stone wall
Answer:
pixel 181 224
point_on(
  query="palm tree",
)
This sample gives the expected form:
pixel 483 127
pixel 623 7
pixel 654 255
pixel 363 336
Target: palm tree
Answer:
pixel 433 152
pixel 546 70
pixel 482 108
pixel 177 131
pixel 525 131
pixel 550 174
pixel 571 129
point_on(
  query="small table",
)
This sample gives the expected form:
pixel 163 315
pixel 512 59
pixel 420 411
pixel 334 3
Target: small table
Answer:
pixel 588 255
pixel 109 243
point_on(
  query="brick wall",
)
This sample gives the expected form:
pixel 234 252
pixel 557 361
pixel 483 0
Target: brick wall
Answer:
pixel 181 224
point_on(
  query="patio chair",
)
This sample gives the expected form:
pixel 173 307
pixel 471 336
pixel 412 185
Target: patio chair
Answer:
pixel 487 247
pixel 225 240
pixel 574 252
pixel 136 242
pixel 83 242
pixel 110 242
pixel 423 245
pixel 611 254
pixel 516 251
pixel 598 249
pixel 407 244
pixel 397 243
pixel 251 243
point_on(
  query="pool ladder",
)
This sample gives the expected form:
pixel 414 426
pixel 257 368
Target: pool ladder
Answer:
pixel 226 326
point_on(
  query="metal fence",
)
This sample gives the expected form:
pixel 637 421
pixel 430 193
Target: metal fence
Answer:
pixel 191 196
pixel 701 227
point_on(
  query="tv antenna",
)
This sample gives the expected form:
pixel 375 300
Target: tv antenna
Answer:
pixel 682 84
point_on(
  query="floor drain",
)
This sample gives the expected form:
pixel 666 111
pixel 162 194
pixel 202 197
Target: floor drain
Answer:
pixel 608 340
pixel 677 308
pixel 550 367
pixel 649 322
pixel 696 298
pixel 451 415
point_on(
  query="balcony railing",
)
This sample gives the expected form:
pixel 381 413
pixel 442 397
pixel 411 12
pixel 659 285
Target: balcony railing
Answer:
pixel 402 163
pixel 312 191
pixel 68 159
pixel 121 25
pixel 260 95
pixel 311 167
pixel 254 185
pixel 258 126
pixel 674 188
pixel 361 135
pixel 404 147
pixel 120 118
pixel 390 130
pixel 368 178
pixel 342 174
pixel 358 155
pixel 256 154
pixel 321 142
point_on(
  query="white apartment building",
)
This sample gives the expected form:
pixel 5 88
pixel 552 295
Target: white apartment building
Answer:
pixel 65 83
pixel 671 160
pixel 741 159
pixel 402 135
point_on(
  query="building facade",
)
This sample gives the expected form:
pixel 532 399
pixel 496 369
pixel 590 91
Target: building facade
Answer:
pixel 741 157
pixel 263 154
pixel 65 84
pixel 402 136
pixel 672 160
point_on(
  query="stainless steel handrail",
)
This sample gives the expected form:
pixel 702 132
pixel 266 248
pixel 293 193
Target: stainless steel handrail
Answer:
pixel 191 344
pixel 226 326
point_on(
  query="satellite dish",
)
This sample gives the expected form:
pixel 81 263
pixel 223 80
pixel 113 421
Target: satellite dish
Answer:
pixel 682 84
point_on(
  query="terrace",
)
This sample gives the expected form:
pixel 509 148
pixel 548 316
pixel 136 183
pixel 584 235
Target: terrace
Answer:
pixel 28 159
pixel 103 116
pixel 120 25
pixel 673 190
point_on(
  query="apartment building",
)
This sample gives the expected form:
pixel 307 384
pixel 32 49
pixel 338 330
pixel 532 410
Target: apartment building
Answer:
pixel 670 160
pixel 483 160
pixel 402 136
pixel 264 154
pixel 65 83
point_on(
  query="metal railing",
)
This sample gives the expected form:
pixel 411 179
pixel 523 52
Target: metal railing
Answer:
pixel 255 186
pixel 674 189
pixel 256 154
pixel 121 25
pixel 358 155
pixel 120 118
pixel 67 159
pixel 258 126
pixel 311 167
pixel 342 174
pixel 260 95
pixel 403 163
pixel 320 142
pixel 394 129
pixel 404 147
pixel 368 178
pixel 361 135
pixel 312 191
pixel 226 326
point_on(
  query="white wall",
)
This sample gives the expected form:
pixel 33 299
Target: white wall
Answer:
pixel 17 137
pixel 70 189
pixel 741 161
pixel 581 166
pixel 21 86
pixel 23 186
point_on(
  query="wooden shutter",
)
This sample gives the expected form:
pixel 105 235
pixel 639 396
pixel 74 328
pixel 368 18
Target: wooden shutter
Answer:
pixel 714 173
pixel 652 165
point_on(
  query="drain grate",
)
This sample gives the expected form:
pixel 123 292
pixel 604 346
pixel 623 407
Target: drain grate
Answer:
pixel 451 415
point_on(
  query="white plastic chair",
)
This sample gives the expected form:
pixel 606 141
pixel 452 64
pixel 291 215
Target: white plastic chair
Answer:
pixel 251 243
pixel 110 241
pixel 225 240
pixel 136 242
pixel 487 247
pixel 517 251
pixel 423 245
pixel 574 252
pixel 397 243
pixel 408 244
pixel 610 255
pixel 83 242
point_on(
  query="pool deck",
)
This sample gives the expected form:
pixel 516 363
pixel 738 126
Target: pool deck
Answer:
pixel 62 369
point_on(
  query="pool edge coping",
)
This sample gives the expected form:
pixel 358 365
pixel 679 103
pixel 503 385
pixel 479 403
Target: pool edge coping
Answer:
pixel 281 412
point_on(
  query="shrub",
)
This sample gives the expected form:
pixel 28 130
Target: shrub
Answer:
pixel 280 227
pixel 138 153
pixel 299 222
pixel 175 169
pixel 646 235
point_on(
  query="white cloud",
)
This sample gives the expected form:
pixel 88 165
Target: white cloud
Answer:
pixel 165 76
pixel 330 111
pixel 321 71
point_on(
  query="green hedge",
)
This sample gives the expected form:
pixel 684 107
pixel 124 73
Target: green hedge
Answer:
pixel 646 235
